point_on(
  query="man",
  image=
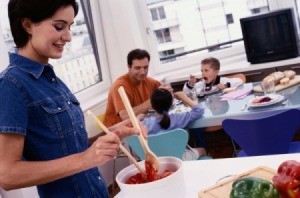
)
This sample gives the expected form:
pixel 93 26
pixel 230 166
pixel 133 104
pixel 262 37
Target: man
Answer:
pixel 138 87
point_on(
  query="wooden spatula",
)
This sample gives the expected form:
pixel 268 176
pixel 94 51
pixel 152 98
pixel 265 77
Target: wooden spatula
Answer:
pixel 131 158
pixel 151 158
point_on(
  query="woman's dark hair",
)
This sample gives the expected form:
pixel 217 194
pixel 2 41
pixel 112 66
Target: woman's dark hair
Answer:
pixel 36 11
pixel 137 54
pixel 161 102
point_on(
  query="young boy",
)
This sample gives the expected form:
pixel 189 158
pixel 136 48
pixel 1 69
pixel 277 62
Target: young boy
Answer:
pixel 211 80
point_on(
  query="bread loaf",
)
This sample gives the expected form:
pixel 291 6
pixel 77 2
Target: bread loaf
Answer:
pixel 275 76
pixel 285 81
pixel 289 74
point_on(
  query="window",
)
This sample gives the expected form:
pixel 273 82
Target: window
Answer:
pixel 229 19
pixel 163 35
pixel 199 25
pixel 158 13
pixel 74 56
pixel 167 53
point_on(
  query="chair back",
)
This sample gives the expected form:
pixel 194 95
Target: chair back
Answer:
pixel 169 143
pixel 264 136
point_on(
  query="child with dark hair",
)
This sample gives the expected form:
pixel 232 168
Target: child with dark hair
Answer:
pixel 161 101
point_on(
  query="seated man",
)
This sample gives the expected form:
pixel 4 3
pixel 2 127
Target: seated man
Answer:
pixel 138 87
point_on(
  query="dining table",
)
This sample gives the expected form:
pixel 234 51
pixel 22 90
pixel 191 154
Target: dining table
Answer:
pixel 217 110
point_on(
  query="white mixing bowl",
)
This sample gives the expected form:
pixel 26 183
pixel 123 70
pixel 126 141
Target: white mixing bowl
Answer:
pixel 171 186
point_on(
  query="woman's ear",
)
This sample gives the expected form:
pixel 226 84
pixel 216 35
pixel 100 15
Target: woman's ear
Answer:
pixel 27 24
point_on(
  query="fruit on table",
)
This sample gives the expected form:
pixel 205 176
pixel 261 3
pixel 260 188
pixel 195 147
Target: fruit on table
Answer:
pixel 287 179
pixel 252 187
pixel 261 100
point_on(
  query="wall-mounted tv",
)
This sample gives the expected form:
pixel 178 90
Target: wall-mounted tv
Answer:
pixel 270 36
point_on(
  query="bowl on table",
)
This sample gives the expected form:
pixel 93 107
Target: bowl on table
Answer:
pixel 170 186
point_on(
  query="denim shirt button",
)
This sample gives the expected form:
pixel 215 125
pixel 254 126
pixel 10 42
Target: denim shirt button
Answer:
pixel 81 126
pixel 53 79
pixel 99 178
pixel 69 102
pixel 59 108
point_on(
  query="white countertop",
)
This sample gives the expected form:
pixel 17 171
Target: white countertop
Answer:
pixel 202 174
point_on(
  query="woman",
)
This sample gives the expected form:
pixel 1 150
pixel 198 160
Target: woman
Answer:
pixel 43 140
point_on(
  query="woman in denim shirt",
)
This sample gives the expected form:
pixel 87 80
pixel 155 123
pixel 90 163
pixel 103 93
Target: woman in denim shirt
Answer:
pixel 43 140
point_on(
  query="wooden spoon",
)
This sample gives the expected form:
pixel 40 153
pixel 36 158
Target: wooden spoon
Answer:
pixel 101 125
pixel 151 158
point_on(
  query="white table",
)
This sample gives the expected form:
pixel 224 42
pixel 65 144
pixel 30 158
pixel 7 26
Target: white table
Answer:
pixel 218 110
pixel 202 174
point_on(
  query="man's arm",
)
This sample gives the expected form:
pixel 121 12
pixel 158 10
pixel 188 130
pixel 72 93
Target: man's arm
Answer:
pixel 142 108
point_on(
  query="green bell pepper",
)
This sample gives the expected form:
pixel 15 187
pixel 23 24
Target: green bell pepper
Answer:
pixel 252 187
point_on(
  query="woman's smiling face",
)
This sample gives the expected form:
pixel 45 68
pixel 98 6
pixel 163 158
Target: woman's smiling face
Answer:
pixel 48 38
pixel 209 74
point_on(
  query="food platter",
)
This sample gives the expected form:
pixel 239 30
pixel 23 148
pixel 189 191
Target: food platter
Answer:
pixel 273 98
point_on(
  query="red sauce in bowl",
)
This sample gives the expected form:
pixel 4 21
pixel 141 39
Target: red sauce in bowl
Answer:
pixel 150 176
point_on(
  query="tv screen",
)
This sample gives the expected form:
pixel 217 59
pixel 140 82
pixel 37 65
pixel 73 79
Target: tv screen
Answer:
pixel 271 36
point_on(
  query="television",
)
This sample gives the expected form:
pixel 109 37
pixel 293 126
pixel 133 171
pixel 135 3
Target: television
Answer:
pixel 270 36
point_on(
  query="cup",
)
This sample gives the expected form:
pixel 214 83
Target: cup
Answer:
pixel 268 87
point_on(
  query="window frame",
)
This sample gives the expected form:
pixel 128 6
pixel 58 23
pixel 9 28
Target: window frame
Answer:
pixel 192 62
pixel 92 96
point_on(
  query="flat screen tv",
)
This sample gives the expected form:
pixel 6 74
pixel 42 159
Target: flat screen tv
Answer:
pixel 270 36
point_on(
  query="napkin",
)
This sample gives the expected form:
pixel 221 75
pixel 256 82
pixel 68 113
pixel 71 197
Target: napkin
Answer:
pixel 237 94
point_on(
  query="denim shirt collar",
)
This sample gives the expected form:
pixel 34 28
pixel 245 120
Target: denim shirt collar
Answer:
pixel 34 68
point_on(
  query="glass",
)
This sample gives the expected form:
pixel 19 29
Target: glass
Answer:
pixel 268 87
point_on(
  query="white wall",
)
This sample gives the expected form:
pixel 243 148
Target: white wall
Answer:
pixel 3 52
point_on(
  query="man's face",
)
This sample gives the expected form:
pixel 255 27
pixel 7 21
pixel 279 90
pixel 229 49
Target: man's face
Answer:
pixel 138 71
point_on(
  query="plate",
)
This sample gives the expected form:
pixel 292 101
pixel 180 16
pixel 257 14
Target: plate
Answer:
pixel 275 98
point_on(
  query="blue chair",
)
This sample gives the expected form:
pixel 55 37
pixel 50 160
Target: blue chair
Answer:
pixel 267 135
pixel 169 143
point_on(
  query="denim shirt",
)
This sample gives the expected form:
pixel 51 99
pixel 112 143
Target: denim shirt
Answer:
pixel 37 104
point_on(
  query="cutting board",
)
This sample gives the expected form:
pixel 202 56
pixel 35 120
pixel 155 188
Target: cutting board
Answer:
pixel 223 189
pixel 280 87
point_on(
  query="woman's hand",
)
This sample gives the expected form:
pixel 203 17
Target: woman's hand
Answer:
pixel 105 148
pixel 126 129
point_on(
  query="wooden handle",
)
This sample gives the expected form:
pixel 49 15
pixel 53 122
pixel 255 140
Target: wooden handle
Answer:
pixel 101 125
pixel 133 118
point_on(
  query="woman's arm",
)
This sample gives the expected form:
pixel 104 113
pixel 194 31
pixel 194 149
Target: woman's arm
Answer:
pixel 16 173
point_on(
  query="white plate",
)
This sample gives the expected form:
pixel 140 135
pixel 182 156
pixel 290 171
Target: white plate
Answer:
pixel 275 98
